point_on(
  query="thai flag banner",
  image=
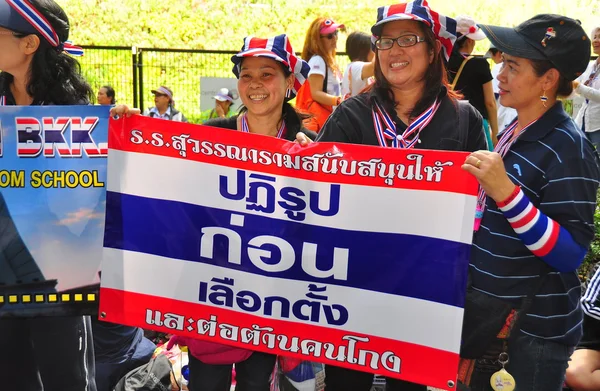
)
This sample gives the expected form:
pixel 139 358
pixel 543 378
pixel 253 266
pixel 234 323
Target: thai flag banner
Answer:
pixel 350 255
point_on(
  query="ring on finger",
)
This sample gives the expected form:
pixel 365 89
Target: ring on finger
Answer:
pixel 478 163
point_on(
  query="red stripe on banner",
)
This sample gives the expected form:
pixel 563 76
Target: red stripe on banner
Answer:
pixel 324 162
pixel 415 363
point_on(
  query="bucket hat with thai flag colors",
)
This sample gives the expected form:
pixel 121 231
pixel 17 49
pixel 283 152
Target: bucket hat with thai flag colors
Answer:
pixel 443 27
pixel 279 49
pixel 22 17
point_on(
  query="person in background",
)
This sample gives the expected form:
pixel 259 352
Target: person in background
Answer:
pixel 118 349
pixel 164 106
pixel 359 73
pixel 222 109
pixel 583 373
pixel 411 92
pixel 505 114
pixel 472 77
pixel 106 95
pixel 53 352
pixel 536 207
pixel 588 86
pixel 323 91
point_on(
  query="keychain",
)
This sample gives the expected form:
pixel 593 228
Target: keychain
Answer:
pixel 502 380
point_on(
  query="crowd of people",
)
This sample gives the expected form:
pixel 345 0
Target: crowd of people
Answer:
pixel 411 83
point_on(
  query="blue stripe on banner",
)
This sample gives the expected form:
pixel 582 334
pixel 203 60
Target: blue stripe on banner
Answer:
pixel 407 265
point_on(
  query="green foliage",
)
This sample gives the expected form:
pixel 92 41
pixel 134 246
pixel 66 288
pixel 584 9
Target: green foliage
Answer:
pixel 593 255
pixel 212 24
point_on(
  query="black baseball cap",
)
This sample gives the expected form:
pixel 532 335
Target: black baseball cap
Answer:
pixel 12 20
pixel 556 38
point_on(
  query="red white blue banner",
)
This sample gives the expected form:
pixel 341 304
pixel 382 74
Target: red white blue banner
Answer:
pixel 350 255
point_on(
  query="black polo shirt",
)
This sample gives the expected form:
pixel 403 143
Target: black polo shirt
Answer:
pixel 557 168
pixel 456 126
pixel 474 75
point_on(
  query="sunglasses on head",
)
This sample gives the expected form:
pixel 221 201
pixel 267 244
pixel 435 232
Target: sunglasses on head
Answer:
pixel 331 35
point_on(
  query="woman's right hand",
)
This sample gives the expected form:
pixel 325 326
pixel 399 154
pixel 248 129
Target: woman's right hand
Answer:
pixel 303 139
pixel 120 110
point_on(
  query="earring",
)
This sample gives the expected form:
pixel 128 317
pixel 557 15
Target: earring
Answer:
pixel 544 98
pixel 288 93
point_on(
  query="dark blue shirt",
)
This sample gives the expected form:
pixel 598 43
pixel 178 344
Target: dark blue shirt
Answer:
pixel 557 169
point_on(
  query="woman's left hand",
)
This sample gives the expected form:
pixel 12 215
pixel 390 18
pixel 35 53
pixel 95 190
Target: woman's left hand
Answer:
pixel 489 170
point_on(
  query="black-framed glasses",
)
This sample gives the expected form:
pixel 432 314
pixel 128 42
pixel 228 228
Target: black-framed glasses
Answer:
pixel 403 41
pixel 159 95
pixel 331 35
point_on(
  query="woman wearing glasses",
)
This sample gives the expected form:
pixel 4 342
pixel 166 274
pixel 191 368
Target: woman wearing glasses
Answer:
pixel 323 91
pixel 410 82
pixel 588 86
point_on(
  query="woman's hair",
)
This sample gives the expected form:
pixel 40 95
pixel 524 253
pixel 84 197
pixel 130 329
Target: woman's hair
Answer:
pixel 460 43
pixel 110 92
pixel 313 46
pixel 54 76
pixel 358 46
pixel 540 67
pixel 435 79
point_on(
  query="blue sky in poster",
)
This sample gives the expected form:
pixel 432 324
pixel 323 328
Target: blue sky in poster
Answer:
pixel 62 227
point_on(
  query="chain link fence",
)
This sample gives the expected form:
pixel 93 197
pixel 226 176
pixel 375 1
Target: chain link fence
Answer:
pixel 134 72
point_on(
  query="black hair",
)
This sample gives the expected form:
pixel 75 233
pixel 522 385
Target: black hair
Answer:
pixel 540 67
pixel 435 79
pixel 110 92
pixel 460 43
pixel 494 51
pixel 358 46
pixel 54 76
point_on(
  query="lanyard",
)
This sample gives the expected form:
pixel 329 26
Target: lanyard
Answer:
pixel 506 141
pixel 246 129
pixel 386 129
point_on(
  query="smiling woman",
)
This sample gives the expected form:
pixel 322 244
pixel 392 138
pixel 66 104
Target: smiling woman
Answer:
pixel 269 75
pixel 408 106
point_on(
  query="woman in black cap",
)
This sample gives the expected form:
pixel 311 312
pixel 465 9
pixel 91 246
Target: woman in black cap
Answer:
pixel 50 353
pixel 537 202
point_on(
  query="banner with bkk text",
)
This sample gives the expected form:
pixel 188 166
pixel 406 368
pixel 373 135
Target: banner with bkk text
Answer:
pixel 52 174
pixel 350 255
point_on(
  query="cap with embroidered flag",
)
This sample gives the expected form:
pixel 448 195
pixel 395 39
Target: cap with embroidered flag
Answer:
pixel 556 38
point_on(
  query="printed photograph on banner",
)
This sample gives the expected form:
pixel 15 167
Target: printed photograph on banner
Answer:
pixel 258 243
pixel 52 203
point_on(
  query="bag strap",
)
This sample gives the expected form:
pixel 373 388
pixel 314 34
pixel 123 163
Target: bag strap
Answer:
pixel 325 79
pixel 350 80
pixel 528 301
pixel 462 65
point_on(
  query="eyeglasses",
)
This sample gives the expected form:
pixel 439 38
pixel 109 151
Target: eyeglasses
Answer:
pixel 403 41
pixel 159 95
pixel 330 36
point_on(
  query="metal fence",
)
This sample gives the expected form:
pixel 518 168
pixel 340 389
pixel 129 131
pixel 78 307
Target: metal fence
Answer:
pixel 133 72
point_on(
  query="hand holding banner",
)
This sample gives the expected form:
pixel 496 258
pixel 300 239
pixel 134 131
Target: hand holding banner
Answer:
pixel 350 255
